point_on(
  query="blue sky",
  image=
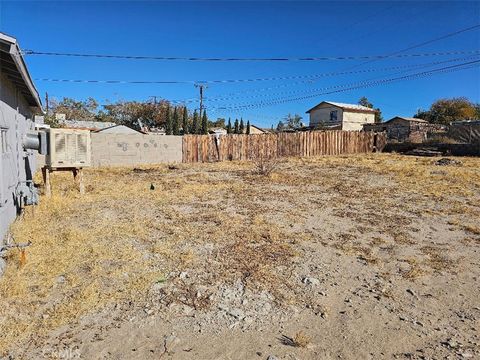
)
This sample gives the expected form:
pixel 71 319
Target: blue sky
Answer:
pixel 246 29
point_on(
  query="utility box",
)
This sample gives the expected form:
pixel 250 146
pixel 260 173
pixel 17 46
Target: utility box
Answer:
pixel 68 148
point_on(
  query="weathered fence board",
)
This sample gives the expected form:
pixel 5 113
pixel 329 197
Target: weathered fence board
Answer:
pixel 210 148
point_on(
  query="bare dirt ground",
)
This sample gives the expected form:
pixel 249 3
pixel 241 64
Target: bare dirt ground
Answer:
pixel 358 257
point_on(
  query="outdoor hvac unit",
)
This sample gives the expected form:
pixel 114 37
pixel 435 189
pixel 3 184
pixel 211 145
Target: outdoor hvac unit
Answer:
pixel 68 148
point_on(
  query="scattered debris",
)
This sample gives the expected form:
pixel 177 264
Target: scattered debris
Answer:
pixel 447 161
pixel 424 152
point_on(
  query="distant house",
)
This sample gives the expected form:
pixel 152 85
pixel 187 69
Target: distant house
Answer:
pixel 119 129
pixel 401 128
pixel 256 130
pixel 85 124
pixel 340 116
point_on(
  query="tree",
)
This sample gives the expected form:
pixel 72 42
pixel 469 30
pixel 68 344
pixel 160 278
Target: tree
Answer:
pixel 75 109
pixel 364 102
pixel 175 122
pixel 280 126
pixel 477 110
pixel 219 123
pixel 236 127
pixel 248 127
pixel 229 126
pixel 204 123
pixel 293 121
pixel 378 114
pixel 169 123
pixel 444 111
pixel 137 114
pixel 241 127
pixel 194 123
pixel 185 121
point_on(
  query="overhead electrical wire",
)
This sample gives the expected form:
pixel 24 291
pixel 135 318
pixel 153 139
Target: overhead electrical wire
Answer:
pixel 319 58
pixel 427 42
pixel 262 90
pixel 273 78
pixel 347 87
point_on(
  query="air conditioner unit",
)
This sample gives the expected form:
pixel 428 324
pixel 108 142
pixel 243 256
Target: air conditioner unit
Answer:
pixel 68 148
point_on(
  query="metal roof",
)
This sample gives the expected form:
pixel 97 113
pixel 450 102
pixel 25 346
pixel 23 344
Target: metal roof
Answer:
pixel 344 106
pixel 407 119
pixel 14 67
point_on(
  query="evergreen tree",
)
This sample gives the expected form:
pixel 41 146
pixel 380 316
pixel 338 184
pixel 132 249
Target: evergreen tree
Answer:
pixel 229 126
pixel 204 123
pixel 195 123
pixel 185 121
pixel 241 128
pixel 248 127
pixel 168 122
pixel 176 122
pixel 236 127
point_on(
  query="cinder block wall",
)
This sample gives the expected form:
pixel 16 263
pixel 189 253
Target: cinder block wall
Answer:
pixel 134 149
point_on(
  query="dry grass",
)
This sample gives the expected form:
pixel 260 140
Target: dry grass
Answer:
pixel 114 243
pixel 300 339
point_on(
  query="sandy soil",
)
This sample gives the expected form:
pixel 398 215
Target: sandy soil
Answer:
pixel 326 258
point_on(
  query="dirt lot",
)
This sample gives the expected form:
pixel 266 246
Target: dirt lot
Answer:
pixel 336 257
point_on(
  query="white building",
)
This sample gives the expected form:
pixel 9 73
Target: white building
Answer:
pixel 340 116
pixel 19 102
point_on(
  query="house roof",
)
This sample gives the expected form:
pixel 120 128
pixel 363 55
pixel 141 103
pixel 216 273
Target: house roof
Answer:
pixel 407 119
pixel 14 67
pixel 258 128
pixel 120 126
pixel 346 107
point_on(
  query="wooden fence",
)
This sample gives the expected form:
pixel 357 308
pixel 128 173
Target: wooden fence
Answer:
pixel 210 148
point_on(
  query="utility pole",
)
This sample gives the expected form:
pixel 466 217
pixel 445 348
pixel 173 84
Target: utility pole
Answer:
pixel 201 86
pixel 154 99
pixel 46 102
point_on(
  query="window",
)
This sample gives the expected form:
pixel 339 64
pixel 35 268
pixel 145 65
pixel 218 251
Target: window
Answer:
pixel 3 141
pixel 333 115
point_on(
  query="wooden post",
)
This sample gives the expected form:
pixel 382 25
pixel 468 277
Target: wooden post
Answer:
pixel 78 178
pixel 46 181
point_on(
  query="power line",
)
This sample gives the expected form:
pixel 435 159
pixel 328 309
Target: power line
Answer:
pixel 261 90
pixel 347 87
pixel 321 58
pixel 398 52
pixel 273 78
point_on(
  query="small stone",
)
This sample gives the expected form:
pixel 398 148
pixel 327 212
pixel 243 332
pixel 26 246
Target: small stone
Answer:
pixel 183 275
pixel 148 311
pixel 310 281
pixel 271 357
pixel 237 314
pixel 411 292
pixel 61 279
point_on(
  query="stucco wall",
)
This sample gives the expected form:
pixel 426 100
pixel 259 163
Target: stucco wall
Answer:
pixel 355 120
pixel 321 116
pixel 349 120
pixel 15 164
pixel 134 149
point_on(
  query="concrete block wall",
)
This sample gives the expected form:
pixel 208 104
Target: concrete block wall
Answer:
pixel 134 149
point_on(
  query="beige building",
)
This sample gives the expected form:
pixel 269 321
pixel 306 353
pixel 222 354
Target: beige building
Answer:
pixel 340 116
pixel 256 130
